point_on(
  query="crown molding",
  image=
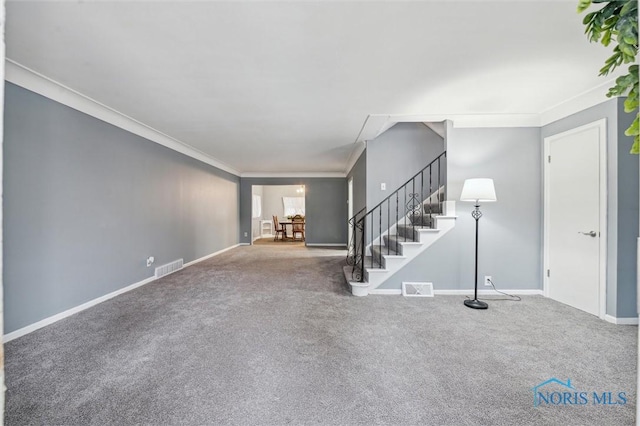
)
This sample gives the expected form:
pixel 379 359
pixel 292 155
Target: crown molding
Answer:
pixel 293 175
pixel 580 102
pixel 376 124
pixel 29 79
pixel 472 120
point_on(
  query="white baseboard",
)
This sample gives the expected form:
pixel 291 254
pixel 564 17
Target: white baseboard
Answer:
pixel 193 262
pixel 458 292
pixel 326 244
pixel 50 320
pixel 57 317
pixel 621 321
pixel 386 291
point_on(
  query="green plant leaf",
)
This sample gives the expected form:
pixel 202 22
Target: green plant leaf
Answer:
pixel 633 130
pixel 630 105
pixel 588 17
pixel 617 21
pixel 583 5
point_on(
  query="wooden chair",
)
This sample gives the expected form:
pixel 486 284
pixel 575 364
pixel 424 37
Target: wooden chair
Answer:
pixel 298 227
pixel 277 229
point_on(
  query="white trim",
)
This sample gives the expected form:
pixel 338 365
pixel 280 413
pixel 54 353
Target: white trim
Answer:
pixel 621 321
pixel 458 292
pixel 386 292
pixel 293 175
pixel 602 127
pixel 578 103
pixel 355 155
pixel 469 292
pixel 193 262
pixel 458 120
pixel 326 244
pixel 374 125
pixel 55 318
pixel 32 80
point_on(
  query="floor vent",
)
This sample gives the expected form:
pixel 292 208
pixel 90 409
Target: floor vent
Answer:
pixel 417 289
pixel 163 270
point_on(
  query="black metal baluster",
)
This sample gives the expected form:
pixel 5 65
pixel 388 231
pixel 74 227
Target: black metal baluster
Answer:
pixel 413 206
pixel 421 199
pixel 364 252
pixel 380 237
pixel 372 256
pixel 430 193
pixel 405 210
pixel 445 176
pixel 397 224
pixel 439 199
pixel 388 225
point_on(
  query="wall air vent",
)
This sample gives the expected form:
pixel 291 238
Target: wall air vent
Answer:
pixel 169 268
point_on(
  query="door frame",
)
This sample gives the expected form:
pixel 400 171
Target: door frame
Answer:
pixel 350 211
pixel 601 125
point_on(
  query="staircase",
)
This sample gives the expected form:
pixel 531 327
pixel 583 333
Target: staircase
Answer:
pixel 387 237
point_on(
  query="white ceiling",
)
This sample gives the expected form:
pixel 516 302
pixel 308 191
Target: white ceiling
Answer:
pixel 287 86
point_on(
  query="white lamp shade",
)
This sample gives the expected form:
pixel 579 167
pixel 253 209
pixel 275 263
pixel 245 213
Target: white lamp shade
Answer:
pixel 478 190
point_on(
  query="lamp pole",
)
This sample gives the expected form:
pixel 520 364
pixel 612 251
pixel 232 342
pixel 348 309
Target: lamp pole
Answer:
pixel 475 303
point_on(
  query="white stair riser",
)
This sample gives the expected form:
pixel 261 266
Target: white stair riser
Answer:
pixel 392 262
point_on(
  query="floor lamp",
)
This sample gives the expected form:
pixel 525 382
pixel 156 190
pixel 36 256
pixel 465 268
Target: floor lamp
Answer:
pixel 477 190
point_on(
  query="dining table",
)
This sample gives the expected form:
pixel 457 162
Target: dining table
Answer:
pixel 290 222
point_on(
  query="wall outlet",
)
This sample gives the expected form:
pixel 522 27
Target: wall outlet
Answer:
pixel 150 261
pixel 383 187
pixel 487 280
pixel 246 235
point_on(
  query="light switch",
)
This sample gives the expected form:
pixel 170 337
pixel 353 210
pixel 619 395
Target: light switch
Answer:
pixel 383 186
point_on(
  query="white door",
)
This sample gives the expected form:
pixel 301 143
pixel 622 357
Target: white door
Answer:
pixel 574 217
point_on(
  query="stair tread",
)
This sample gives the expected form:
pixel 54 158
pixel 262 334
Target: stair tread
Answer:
pixel 385 250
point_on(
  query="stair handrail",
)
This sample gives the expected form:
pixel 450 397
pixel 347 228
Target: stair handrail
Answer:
pixel 411 207
pixel 353 255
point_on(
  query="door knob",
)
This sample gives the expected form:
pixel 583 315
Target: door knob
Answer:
pixel 590 233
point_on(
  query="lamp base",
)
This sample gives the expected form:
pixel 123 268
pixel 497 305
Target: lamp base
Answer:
pixel 475 304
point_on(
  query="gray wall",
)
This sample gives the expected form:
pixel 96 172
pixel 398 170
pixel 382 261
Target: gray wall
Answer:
pixel 325 204
pixel 85 203
pixel 359 174
pixel 510 229
pixel 396 155
pixel 628 213
pixel 622 203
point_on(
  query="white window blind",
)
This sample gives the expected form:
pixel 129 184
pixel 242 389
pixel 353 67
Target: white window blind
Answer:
pixel 256 207
pixel 293 206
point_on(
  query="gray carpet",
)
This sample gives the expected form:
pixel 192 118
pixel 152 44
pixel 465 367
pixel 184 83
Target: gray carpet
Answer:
pixel 269 335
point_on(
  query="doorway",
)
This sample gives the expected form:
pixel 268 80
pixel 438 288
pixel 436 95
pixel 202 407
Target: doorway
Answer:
pixel 575 217
pixel 283 202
